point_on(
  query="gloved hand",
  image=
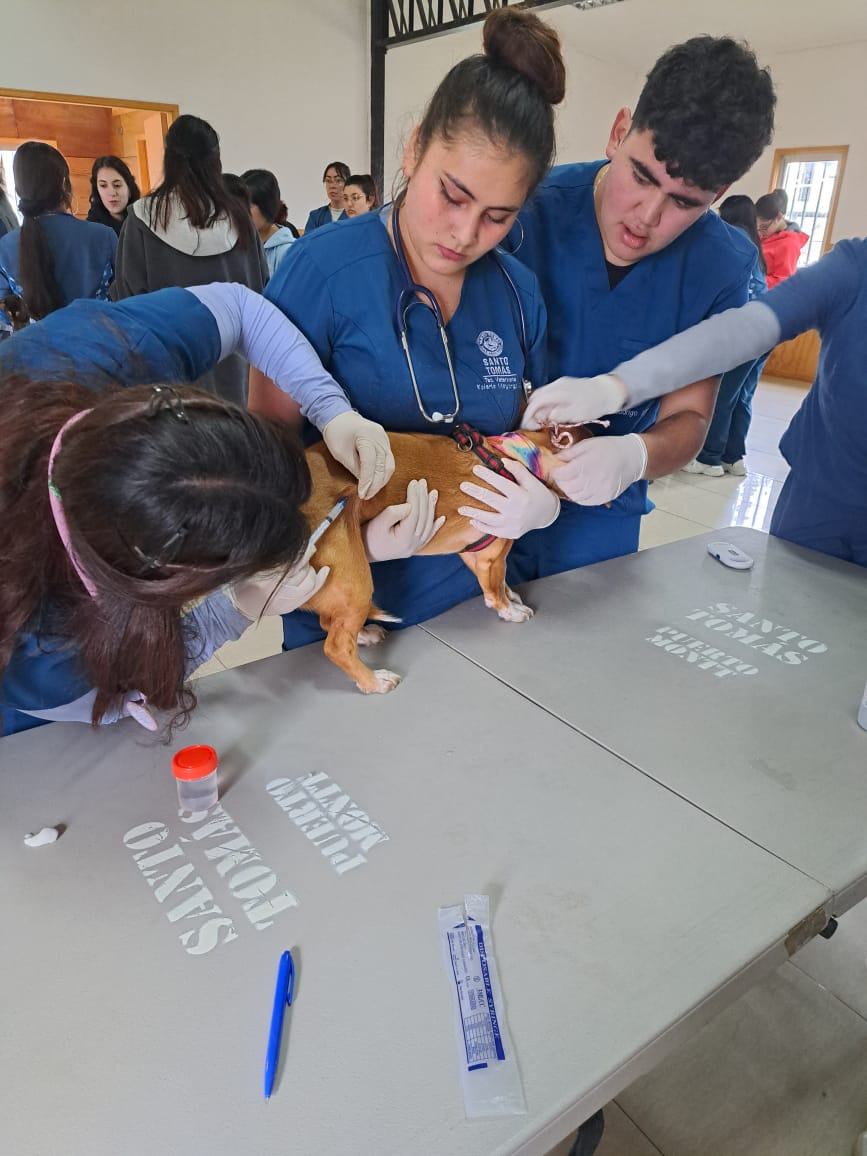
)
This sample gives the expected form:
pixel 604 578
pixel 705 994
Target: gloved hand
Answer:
pixel 271 593
pixel 516 507
pixel 401 531
pixel 363 447
pixel 599 469
pixel 573 400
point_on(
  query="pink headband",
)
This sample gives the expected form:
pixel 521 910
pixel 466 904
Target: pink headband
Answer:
pixel 136 704
pixel 57 505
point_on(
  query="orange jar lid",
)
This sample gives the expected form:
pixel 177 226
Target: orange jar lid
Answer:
pixel 194 762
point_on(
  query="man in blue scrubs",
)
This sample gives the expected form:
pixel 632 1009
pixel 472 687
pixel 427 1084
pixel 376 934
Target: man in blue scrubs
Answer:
pixel 628 254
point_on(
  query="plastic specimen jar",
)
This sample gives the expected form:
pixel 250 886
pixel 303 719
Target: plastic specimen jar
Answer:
pixel 195 771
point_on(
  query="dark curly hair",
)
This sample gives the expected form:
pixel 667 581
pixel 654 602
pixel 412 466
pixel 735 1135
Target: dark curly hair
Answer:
pixel 710 108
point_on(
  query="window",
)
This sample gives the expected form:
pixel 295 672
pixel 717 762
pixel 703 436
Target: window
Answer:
pixel 811 178
pixel 6 156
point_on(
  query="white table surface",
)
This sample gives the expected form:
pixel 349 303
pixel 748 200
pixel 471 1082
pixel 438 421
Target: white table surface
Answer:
pixel 624 918
pixel 775 754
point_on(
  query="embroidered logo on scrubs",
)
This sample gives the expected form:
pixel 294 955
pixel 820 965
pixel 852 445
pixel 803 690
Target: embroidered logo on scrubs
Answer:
pixel 490 343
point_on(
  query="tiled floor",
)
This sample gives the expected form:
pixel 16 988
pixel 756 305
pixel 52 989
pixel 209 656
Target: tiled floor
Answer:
pixel 783 1072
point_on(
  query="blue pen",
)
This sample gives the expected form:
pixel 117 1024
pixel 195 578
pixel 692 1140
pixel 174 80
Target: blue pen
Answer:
pixel 282 1000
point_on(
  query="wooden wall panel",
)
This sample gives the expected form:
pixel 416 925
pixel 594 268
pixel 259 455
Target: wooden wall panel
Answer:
pixel 80 130
pixel 8 127
pixel 797 359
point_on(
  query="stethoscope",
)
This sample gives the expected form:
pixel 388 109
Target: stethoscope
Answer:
pixel 409 295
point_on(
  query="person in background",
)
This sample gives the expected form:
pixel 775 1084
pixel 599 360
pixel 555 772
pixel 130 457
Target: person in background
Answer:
pixel 781 242
pixel 191 231
pixel 283 219
pixel 112 190
pixel 823 503
pixel 334 178
pixel 628 253
pixel 8 216
pixel 235 187
pixel 726 442
pixel 164 495
pixel 265 206
pixel 53 258
pixel 359 194
pixel 781 200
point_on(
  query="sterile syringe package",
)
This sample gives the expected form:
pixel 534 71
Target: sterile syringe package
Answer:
pixel 489 1071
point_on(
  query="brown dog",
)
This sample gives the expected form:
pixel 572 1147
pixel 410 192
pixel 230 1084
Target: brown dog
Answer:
pixel 344 604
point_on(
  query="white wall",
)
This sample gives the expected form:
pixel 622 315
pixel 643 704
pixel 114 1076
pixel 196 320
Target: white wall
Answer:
pixel 822 92
pixel 821 101
pixel 284 84
pixel 595 90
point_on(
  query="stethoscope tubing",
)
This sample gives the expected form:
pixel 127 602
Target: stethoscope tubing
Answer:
pixel 411 293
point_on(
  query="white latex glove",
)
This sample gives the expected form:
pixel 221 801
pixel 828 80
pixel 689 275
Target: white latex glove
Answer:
pixel 270 593
pixel 401 531
pixel 363 447
pixel 573 400
pixel 599 469
pixel 516 507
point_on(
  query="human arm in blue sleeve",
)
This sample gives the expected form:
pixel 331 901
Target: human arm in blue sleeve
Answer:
pixel 713 346
pixel 253 327
pixel 820 292
pixel 805 301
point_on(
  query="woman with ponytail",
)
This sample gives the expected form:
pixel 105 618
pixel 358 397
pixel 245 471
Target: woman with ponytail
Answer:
pixel 53 258
pixel 485 141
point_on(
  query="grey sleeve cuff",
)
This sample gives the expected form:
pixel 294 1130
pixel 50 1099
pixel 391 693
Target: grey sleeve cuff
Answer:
pixel 208 625
pixel 253 327
pixel 713 346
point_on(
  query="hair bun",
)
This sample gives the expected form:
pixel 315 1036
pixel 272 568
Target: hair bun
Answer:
pixel 521 41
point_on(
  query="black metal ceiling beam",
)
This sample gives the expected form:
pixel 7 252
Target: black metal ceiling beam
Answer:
pixel 412 20
pixel 397 22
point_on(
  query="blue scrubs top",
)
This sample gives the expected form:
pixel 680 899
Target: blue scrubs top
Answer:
pixel 592 328
pixel 823 504
pixel 165 336
pixel 340 287
pixel 83 253
pixel 320 217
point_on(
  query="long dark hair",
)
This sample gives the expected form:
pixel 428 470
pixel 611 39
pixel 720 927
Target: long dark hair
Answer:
pixel 740 212
pixel 508 93
pixel 43 186
pixel 192 172
pixel 122 170
pixel 161 511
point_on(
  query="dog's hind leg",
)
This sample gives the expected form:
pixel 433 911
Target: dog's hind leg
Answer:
pixel 489 567
pixel 341 647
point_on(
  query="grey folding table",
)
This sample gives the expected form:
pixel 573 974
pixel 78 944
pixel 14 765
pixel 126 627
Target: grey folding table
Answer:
pixel 736 689
pixel 141 949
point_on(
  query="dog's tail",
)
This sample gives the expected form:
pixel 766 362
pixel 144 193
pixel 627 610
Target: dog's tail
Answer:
pixel 378 615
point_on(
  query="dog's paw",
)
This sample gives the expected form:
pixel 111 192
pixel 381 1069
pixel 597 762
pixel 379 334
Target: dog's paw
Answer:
pixel 516 599
pixel 381 683
pixel 516 611
pixel 371 634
